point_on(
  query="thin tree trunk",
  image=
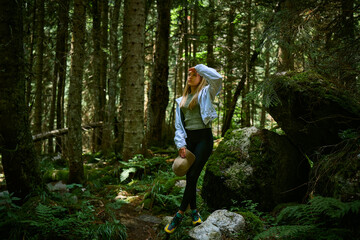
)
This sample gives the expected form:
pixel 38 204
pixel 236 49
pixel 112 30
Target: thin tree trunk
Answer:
pixel 180 68
pixel 195 32
pixel 103 66
pixel 108 133
pixel 229 61
pixel 39 71
pixel 74 147
pixel 186 42
pixel 59 55
pixel 210 60
pixel 286 57
pixel 31 58
pixel 245 117
pixel 159 92
pixel 132 73
pixel 96 64
pixel 267 74
pixel 19 159
pixel 61 52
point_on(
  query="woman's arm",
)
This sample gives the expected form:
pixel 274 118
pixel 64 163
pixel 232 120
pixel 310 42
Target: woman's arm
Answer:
pixel 179 138
pixel 213 78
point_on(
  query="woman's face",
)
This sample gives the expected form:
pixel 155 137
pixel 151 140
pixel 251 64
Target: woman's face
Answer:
pixel 193 79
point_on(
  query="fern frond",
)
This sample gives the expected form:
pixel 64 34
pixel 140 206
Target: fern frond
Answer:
pixel 286 232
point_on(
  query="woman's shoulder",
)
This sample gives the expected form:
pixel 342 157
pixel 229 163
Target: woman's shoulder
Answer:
pixel 178 100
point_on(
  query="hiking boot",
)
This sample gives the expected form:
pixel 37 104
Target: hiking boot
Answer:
pixel 196 218
pixel 175 222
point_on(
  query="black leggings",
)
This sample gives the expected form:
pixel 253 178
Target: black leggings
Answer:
pixel 200 142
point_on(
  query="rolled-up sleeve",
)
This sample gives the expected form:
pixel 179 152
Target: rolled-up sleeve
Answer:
pixel 180 134
pixel 213 78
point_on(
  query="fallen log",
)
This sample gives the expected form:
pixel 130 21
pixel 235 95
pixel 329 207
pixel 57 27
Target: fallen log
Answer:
pixel 63 131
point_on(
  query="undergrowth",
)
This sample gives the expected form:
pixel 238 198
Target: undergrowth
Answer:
pixel 322 218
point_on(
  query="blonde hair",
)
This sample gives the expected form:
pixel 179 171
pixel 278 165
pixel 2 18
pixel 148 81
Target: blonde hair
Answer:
pixel 194 99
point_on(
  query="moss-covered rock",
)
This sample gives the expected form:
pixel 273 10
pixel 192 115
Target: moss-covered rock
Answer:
pixel 311 110
pixel 259 165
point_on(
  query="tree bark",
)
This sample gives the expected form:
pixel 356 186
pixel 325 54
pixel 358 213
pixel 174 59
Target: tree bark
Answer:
pixel 39 70
pixel 228 81
pixel 62 48
pixel 132 73
pixel 96 67
pixel 59 61
pixel 286 42
pixel 103 66
pixel 245 116
pixel 267 75
pixel 108 133
pixel 63 131
pixel 19 159
pixel 159 92
pixel 210 60
pixel 74 147
pixel 31 58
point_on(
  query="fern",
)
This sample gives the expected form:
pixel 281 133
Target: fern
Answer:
pixel 323 218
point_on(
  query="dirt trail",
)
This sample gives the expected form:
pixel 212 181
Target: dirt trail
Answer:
pixel 141 224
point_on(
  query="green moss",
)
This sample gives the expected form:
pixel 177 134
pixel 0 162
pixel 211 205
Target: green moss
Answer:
pixel 56 175
pixel 253 226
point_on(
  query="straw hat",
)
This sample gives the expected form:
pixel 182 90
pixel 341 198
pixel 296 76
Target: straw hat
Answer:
pixel 182 165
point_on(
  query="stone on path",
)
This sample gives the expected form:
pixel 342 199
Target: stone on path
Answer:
pixel 220 222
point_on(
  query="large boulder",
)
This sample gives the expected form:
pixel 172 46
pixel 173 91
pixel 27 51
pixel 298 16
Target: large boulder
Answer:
pixel 257 165
pixel 311 110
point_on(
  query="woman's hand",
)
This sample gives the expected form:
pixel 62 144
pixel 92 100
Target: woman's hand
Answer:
pixel 192 69
pixel 182 152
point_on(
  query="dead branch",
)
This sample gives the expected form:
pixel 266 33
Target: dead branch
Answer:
pixel 63 131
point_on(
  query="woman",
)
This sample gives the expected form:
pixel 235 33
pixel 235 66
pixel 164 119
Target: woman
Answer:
pixel 194 114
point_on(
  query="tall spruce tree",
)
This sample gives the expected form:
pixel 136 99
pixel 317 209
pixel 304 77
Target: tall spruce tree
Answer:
pixel 132 74
pixel 74 117
pixel 19 159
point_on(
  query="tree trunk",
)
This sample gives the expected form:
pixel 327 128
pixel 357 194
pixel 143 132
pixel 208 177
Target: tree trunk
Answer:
pixel 245 116
pixel 159 92
pixel 61 56
pixel 18 156
pixel 103 66
pixel 108 133
pixel 59 59
pixel 39 71
pixel 31 58
pixel 195 32
pixel 210 60
pixel 186 41
pixel 132 73
pixel 96 65
pixel 74 147
pixel 267 75
pixel 286 42
pixel 228 81
pixel 347 37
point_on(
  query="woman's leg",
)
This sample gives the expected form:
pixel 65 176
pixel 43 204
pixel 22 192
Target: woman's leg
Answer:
pixel 202 149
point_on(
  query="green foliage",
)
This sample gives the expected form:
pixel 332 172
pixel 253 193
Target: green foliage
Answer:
pixel 164 195
pixel 52 217
pixel 323 218
pixel 253 226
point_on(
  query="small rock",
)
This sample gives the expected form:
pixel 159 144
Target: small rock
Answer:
pixel 150 219
pixel 57 186
pixel 166 220
pixel 205 231
pixel 180 183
